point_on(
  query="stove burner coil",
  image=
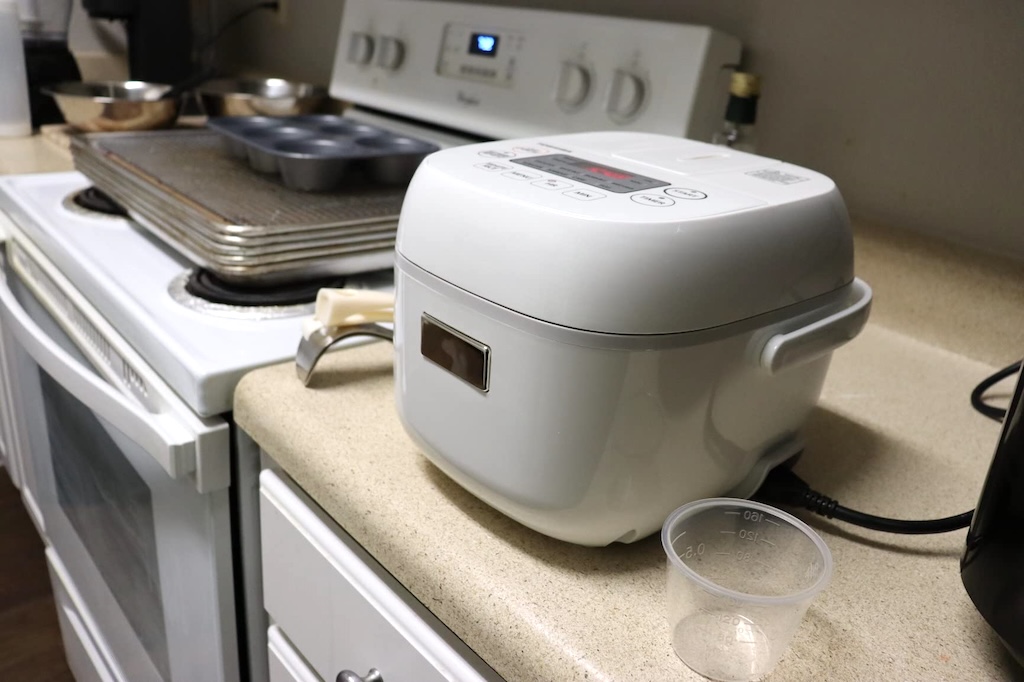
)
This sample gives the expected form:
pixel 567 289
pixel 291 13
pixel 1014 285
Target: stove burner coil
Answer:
pixel 208 286
pixel 93 199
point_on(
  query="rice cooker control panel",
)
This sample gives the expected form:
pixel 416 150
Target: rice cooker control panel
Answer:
pixel 590 173
pixel 643 179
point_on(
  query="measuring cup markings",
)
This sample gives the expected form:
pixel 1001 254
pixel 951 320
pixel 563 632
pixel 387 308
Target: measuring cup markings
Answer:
pixel 734 609
pixel 691 551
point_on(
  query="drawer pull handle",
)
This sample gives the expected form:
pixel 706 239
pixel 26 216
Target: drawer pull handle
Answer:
pixel 349 676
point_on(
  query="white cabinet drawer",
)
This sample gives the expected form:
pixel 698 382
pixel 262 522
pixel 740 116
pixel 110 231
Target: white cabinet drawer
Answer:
pixel 286 665
pixel 342 610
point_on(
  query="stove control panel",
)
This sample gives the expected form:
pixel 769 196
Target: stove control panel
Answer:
pixel 480 54
pixel 505 72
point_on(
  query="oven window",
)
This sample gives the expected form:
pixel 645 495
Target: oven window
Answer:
pixel 110 507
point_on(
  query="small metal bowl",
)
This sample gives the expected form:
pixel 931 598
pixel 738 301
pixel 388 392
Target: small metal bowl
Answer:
pixel 115 105
pixel 261 97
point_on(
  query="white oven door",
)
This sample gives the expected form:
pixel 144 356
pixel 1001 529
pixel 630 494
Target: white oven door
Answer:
pixel 10 454
pixel 19 465
pixel 132 486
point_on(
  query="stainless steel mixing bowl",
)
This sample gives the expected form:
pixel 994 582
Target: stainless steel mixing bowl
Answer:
pixel 115 105
pixel 259 97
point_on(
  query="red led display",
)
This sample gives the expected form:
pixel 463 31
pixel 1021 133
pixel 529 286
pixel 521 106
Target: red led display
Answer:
pixel 608 173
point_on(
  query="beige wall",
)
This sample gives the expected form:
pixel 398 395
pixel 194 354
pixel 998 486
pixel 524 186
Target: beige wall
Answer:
pixel 915 107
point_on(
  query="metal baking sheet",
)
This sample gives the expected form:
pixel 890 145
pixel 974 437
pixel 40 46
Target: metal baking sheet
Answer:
pixel 128 191
pixel 300 234
pixel 296 256
pixel 190 168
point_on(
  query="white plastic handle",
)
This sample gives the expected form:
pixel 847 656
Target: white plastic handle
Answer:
pixel 168 442
pixel 338 307
pixel 820 337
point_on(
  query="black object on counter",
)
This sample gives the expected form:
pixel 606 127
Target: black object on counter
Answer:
pixel 992 567
pixel 737 129
pixel 47 62
pixel 159 36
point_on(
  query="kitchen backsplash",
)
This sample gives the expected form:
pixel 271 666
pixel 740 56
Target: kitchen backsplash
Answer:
pixel 912 107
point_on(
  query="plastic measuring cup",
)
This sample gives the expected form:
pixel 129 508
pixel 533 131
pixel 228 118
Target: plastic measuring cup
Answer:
pixel 741 575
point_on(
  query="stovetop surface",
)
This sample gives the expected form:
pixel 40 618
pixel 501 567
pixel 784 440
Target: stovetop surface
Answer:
pixel 126 274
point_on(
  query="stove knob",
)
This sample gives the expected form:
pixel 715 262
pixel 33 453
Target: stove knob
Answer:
pixel 573 86
pixel 390 53
pixel 360 48
pixel 349 676
pixel 627 95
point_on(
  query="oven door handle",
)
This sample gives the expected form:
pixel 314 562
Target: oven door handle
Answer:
pixel 164 437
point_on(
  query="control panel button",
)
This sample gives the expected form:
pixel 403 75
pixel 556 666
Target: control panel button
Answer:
pixel 390 53
pixel 496 154
pixel 492 167
pixel 360 48
pixel 684 193
pixel 584 194
pixel 626 96
pixel 653 200
pixel 573 86
pixel 551 183
pixel 521 175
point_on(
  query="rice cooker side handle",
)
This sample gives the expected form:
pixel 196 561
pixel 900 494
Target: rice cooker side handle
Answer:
pixel 820 337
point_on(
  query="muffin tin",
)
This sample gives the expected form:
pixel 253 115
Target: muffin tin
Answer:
pixel 318 153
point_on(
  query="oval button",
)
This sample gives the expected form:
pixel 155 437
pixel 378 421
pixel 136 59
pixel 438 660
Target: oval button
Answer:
pixel 652 200
pixel 551 183
pixel 684 193
pixel 496 154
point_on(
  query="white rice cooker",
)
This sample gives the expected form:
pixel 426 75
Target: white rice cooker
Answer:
pixel 593 329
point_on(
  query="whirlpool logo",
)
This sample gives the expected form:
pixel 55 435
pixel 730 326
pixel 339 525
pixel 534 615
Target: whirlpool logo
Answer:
pixel 467 99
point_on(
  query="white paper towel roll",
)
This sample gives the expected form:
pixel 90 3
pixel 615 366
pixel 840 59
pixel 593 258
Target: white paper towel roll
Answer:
pixel 15 117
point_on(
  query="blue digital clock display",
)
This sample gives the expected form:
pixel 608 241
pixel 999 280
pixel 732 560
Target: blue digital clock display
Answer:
pixel 483 44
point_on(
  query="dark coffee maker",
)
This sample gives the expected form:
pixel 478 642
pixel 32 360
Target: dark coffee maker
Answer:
pixel 44 33
pixel 992 567
pixel 159 36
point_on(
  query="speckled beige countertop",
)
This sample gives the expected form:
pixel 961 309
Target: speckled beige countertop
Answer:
pixel 894 435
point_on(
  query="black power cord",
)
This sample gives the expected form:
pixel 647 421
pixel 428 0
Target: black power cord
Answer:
pixel 242 14
pixel 977 395
pixel 782 487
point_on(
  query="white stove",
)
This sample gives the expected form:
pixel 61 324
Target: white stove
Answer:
pixel 121 383
pixel 200 349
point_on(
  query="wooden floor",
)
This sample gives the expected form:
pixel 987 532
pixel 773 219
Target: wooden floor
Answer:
pixel 30 646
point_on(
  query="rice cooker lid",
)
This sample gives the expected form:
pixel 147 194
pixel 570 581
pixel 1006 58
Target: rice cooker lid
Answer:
pixel 626 233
